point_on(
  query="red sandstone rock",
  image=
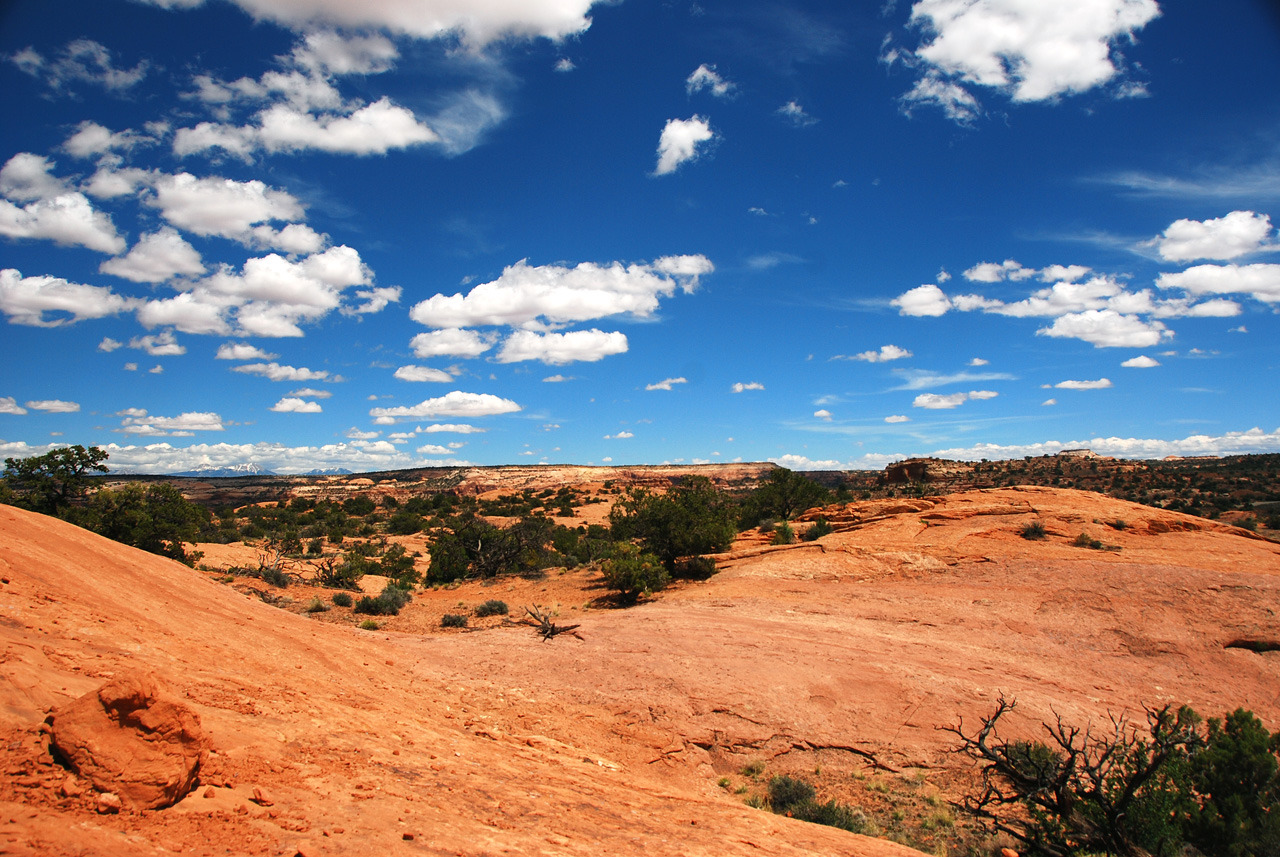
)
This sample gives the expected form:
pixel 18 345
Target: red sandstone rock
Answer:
pixel 131 738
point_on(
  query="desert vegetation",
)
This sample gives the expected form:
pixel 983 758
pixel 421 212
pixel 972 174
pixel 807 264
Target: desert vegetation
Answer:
pixel 1128 788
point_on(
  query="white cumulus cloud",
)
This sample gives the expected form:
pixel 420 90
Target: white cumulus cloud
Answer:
pixel 1099 384
pixel 1140 362
pixel 450 342
pixel 926 300
pixel 740 387
pixel 423 373
pixel 277 372
pixel 884 355
pixel 1236 234
pixel 1032 51
pixel 157 257
pixel 1259 281
pixel 1107 329
pixel 706 77
pixel 666 384
pixel 42 301
pixel 453 404
pixel 54 406
pixel 534 297
pixel 558 349
pixel 680 141
pixel 293 405
pixel 243 351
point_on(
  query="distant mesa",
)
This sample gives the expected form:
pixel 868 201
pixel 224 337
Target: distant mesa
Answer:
pixel 249 469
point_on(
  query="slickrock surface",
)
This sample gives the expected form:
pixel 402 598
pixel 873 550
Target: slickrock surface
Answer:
pixel 853 650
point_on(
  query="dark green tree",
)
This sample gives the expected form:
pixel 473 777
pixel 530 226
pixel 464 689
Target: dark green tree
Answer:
pixel 52 482
pixel 783 494
pixel 690 519
pixel 1238 771
pixel 156 519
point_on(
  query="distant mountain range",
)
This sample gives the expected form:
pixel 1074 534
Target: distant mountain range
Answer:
pixel 251 469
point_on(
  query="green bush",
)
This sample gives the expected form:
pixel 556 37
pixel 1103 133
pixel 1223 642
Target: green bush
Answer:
pixel 1134 790
pixel 786 792
pixel 453 620
pixel 1084 540
pixel 492 607
pixel 690 519
pixel 341 599
pixel 832 814
pixel 315 605
pixel 783 535
pixel 1034 532
pixel 273 576
pixel 633 573
pixel 821 527
pixel 388 603
pixel 368 625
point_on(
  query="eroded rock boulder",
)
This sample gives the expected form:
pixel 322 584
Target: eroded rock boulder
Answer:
pixel 133 739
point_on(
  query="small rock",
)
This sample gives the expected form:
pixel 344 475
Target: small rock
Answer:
pixel 109 802
pixel 407 837
pixel 209 792
pixel 1008 852
pixel 71 788
pixel 260 797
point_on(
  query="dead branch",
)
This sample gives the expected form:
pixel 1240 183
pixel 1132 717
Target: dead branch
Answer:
pixel 545 626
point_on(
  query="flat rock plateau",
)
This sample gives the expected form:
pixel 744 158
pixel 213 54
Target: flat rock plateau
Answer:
pixel 841 659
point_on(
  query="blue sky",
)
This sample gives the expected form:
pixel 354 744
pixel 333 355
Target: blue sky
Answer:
pixel 397 233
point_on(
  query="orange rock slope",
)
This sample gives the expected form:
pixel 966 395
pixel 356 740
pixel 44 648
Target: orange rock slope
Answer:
pixel 328 740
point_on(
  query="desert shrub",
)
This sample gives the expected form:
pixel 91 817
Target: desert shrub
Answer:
pixel 368 625
pixel 795 797
pixel 388 603
pixel 397 564
pixel 273 576
pixel 633 573
pixel 1118 524
pixel 1084 540
pixel 690 519
pixel 783 535
pixel 492 607
pixel 1033 532
pixel 1129 789
pixel 821 527
pixel 315 605
pixel 358 507
pixel 472 547
pixel 341 599
pixel 453 620
pixel 404 523
pixel 832 814
pixel 785 792
pixel 315 547
pixel 339 575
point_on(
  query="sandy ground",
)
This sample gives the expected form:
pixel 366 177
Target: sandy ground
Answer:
pixel 841 658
